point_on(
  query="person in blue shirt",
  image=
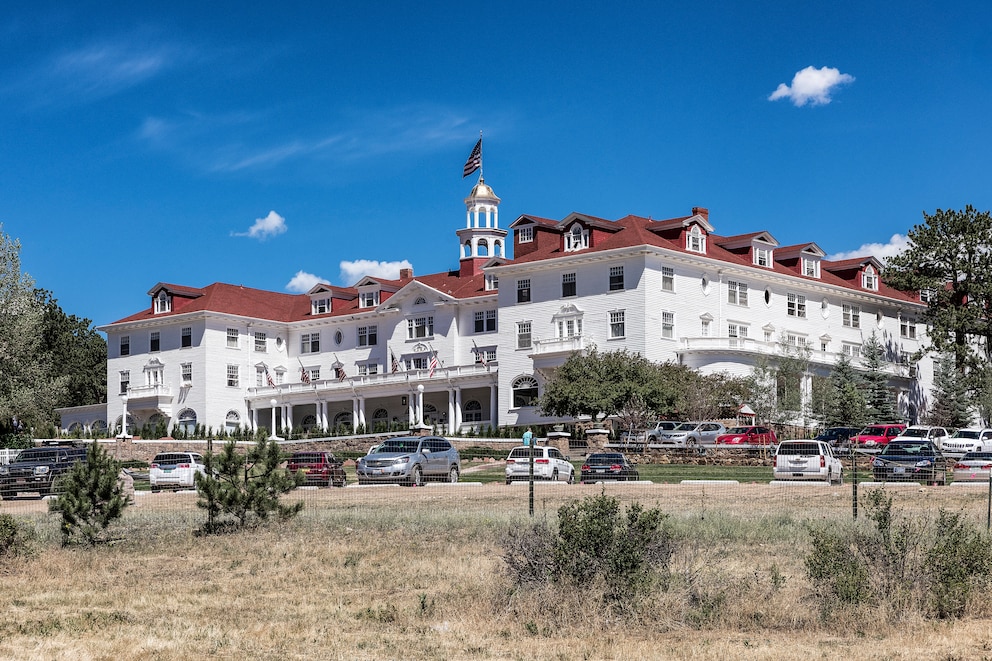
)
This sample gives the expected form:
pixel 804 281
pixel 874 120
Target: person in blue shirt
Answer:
pixel 528 437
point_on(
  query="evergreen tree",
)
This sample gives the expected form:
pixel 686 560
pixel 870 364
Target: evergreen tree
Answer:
pixel 247 486
pixel 881 407
pixel 74 350
pixel 90 497
pixel 951 404
pixel 847 405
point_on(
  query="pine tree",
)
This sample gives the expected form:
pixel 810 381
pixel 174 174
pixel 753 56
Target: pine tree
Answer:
pixel 847 406
pixel 951 404
pixel 90 497
pixel 881 406
pixel 246 486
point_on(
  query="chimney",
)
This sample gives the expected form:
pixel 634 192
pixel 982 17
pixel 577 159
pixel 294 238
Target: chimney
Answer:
pixel 701 211
pixel 406 274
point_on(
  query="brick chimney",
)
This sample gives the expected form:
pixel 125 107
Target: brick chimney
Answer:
pixel 406 274
pixel 701 211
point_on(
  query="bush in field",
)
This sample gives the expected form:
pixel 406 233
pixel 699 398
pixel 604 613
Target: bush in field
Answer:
pixel 90 497
pixel 596 546
pixel 15 537
pixel 245 487
pixel 932 567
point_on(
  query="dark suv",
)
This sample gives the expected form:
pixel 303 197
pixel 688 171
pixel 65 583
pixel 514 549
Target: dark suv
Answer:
pixel 37 469
pixel 318 468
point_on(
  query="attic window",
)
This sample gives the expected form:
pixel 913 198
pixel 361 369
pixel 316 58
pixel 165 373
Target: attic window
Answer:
pixel 163 302
pixel 368 299
pixel 695 240
pixel 869 279
pixel 577 238
pixel 811 267
pixel 762 256
pixel 492 282
pixel 525 234
pixel 320 306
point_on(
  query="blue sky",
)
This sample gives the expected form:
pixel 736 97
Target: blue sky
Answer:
pixel 274 145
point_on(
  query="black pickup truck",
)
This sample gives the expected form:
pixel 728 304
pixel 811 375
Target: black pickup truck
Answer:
pixel 36 469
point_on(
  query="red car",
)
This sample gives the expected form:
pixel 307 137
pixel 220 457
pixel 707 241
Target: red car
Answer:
pixel 750 435
pixel 318 468
pixel 874 436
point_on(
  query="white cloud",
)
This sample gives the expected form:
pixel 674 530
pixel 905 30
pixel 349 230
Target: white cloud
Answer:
pixel 352 272
pixel 271 225
pixel 302 282
pixel 811 86
pixel 896 245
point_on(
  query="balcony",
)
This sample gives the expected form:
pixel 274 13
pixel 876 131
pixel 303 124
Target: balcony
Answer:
pixel 381 381
pixel 557 345
pixel 156 397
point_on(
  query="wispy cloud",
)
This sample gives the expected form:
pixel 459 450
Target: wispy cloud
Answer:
pixel 302 282
pixel 271 225
pixel 895 245
pixel 812 86
pixel 352 272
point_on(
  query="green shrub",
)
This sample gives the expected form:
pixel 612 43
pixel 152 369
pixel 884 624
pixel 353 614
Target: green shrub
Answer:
pixel 90 497
pixel 959 562
pixel 16 538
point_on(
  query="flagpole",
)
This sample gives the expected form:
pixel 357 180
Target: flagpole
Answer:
pixel 482 172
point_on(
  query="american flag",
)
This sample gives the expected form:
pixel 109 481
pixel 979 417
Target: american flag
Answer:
pixel 474 161
pixel 433 365
pixel 339 372
pixel 304 375
pixel 480 355
pixel 268 377
pixel 395 364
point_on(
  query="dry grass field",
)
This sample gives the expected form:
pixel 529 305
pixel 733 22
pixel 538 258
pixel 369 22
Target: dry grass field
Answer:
pixel 396 573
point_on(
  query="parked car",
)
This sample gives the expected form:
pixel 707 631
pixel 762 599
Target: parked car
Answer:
pixel 692 434
pixel 837 437
pixel 318 468
pixel 970 439
pixel 973 467
pixel 807 460
pixel 936 435
pixel 549 464
pixel 653 434
pixel 600 466
pixel 38 469
pixel 747 435
pixel 175 470
pixel 874 436
pixel 410 460
pixel 913 460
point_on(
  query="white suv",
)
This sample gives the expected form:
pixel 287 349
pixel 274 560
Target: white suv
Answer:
pixel 969 439
pixel 807 460
pixel 936 435
pixel 175 470
pixel 549 464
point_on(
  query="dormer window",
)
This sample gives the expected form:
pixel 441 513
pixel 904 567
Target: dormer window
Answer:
pixel 368 299
pixel 762 256
pixel 163 302
pixel 577 238
pixel 869 279
pixel 492 282
pixel 695 240
pixel 525 234
pixel 811 267
pixel 320 306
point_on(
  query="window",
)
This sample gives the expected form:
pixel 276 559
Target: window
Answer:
pixel 851 350
pixel 796 306
pixel 667 278
pixel 851 316
pixel 125 381
pixel 155 341
pixel 869 279
pixel 484 356
pixel 736 293
pixel 232 376
pixel 824 345
pixel 523 290
pixel 737 333
pixel 309 342
pixel 616 278
pixel 569 327
pixel 232 422
pixel 617 324
pixel 794 340
pixel 525 234
pixel 762 256
pixel 577 238
pixel 485 321
pixel 905 357
pixel 163 302
pixel 492 282
pixel 187 421
pixel 187 373
pixel 567 285
pixel 523 335
pixel 232 338
pixel 365 369
pixel 926 295
pixel 368 299
pixel 368 336
pixel 260 342
pixel 260 377
pixel 419 327
pixel 473 411
pixel 695 240
pixel 419 363
pixel 907 329
pixel 320 306
pixel 811 267
pixel 187 337
pixel 704 328
pixel 668 325
pixel 524 391
pixel 125 345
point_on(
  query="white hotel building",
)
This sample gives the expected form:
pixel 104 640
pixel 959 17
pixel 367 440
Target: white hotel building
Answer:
pixel 225 356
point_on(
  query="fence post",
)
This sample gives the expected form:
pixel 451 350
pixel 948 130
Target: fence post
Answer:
pixel 854 484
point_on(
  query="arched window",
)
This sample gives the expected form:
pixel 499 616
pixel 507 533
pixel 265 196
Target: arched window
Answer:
pixel 473 411
pixel 99 426
pixel 75 427
pixel 430 413
pixel 342 419
pixel 309 422
pixel 232 422
pixel 467 252
pixel 497 248
pixel 186 421
pixel 695 240
pixel 483 248
pixel 380 415
pixel 420 301
pixel 524 391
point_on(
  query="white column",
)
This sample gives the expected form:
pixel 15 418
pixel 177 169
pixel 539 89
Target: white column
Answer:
pixel 493 418
pixel 273 435
pixel 361 411
pixel 456 421
pixel 420 404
